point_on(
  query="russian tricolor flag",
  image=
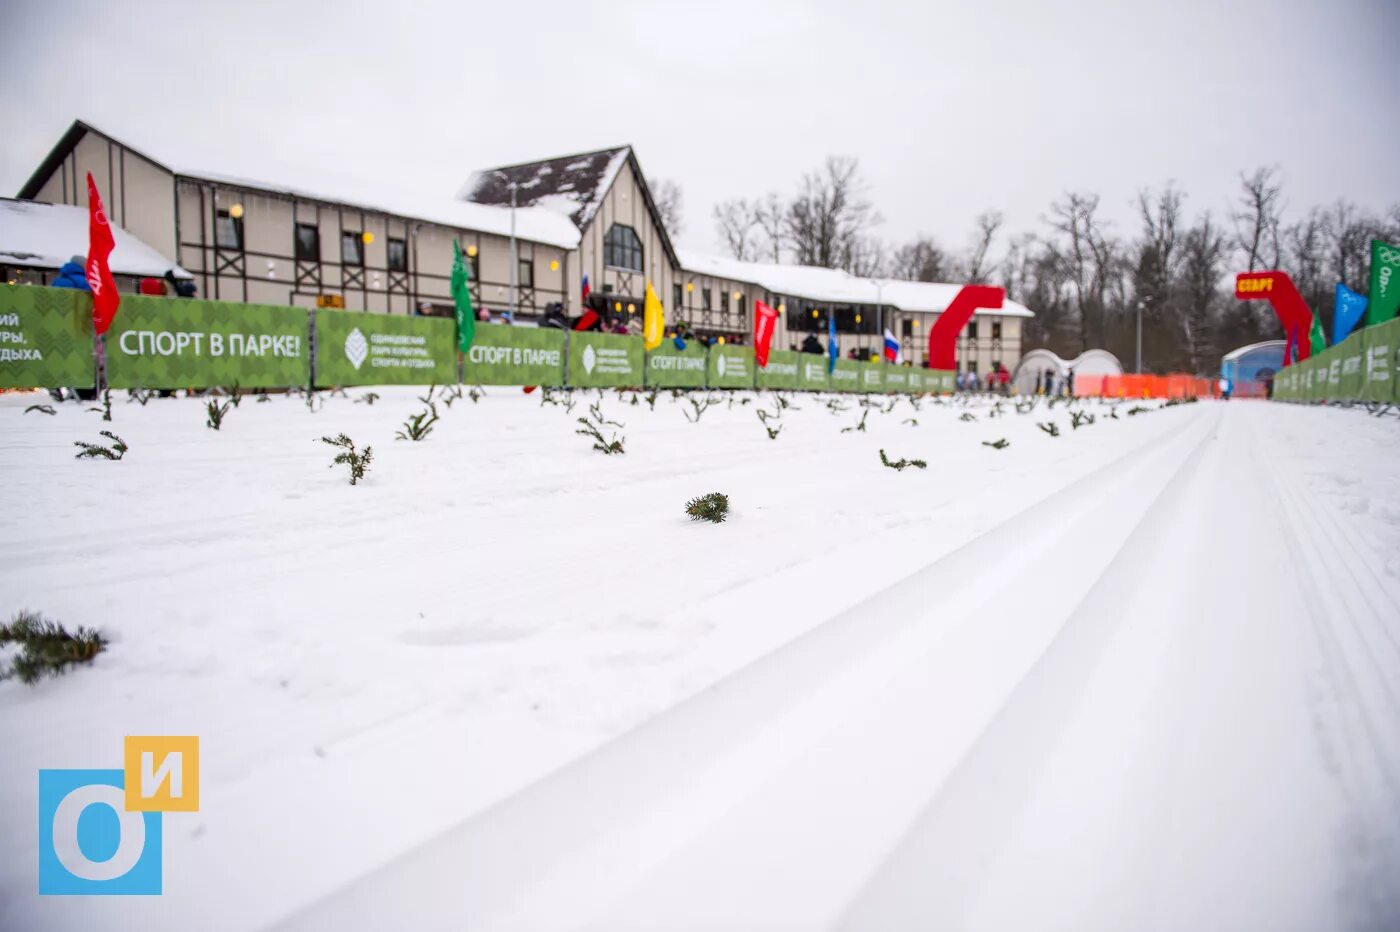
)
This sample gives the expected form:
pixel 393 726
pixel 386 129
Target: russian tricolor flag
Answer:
pixel 892 351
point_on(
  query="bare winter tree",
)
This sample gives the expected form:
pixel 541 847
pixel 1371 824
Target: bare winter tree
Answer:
pixel 771 216
pixel 830 216
pixel 865 256
pixel 735 220
pixel 1257 221
pixel 988 222
pixel 1092 261
pixel 921 260
pixel 1203 255
pixel 668 204
pixel 1305 257
pixel 1155 268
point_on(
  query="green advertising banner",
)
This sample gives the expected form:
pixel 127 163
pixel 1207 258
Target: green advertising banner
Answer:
pixel 358 348
pixel 668 367
pixel 503 355
pixel 897 378
pixel 1351 353
pixel 181 343
pixel 731 367
pixel 45 337
pixel 1318 388
pixel 1380 368
pixel 846 376
pixel 872 377
pixel 945 381
pixel 811 373
pixel 605 360
pixel 782 371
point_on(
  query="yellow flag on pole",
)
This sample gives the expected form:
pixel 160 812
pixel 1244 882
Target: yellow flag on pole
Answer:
pixel 653 320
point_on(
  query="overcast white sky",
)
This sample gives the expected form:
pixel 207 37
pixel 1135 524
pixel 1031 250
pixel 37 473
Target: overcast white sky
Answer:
pixel 952 108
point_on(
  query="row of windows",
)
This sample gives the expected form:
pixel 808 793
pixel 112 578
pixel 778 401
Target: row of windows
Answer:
pixel 228 234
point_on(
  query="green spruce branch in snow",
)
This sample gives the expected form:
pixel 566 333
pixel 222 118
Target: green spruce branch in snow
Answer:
pixel 600 442
pixel 967 416
pixel 358 461
pixel 1080 417
pixel 46 647
pixel 1050 428
pixel 215 414
pixel 420 425
pixel 42 409
pixel 368 398
pixel 713 508
pixel 139 396
pixel 1001 444
pixel 97 451
pixel 860 425
pixel 106 409
pixel 901 464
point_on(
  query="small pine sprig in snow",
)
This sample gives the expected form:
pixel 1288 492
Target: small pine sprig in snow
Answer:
pixel 42 409
pixel 420 425
pixel 600 443
pixel 713 508
pixel 46 647
pixel 358 461
pixel 1001 444
pixel 1050 428
pixel 216 413
pixel 901 464
pixel 97 451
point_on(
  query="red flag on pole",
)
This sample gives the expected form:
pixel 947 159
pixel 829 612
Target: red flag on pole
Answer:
pixel 764 320
pixel 99 274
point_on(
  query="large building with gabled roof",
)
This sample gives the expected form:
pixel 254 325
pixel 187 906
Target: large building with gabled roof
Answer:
pixel 321 241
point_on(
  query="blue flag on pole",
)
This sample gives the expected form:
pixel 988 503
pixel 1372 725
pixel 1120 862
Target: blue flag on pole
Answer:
pixel 832 350
pixel 1346 312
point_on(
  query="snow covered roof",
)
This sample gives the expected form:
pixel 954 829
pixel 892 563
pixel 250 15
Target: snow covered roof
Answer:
pixel 571 185
pixel 836 286
pixel 234 165
pixel 1277 346
pixel 47 235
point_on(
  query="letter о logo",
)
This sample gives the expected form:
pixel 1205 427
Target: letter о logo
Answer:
pixel 100 830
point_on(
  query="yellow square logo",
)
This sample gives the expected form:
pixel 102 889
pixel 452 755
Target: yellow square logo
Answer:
pixel 162 773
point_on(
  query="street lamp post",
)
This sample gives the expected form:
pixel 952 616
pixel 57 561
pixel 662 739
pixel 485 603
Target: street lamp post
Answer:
pixel 880 314
pixel 1142 302
pixel 514 254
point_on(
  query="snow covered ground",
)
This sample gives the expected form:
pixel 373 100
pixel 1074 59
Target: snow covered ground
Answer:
pixel 1145 674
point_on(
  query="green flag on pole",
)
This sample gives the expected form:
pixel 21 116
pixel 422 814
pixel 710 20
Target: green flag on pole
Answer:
pixel 1316 337
pixel 1385 282
pixel 462 297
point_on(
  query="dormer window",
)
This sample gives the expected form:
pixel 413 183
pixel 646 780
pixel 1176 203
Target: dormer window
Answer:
pixel 622 249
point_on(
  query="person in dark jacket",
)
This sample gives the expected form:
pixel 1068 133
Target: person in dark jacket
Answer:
pixel 72 275
pixel 183 287
pixel 813 345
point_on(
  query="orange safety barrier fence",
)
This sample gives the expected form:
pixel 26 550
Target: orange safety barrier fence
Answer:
pixel 1144 386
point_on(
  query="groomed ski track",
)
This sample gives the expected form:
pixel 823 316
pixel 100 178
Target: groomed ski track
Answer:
pixel 1165 697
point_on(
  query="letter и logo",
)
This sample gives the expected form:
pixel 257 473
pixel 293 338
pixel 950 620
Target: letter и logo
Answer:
pixel 356 347
pixel 100 830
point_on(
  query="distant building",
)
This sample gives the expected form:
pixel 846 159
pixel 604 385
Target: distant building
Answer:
pixel 318 243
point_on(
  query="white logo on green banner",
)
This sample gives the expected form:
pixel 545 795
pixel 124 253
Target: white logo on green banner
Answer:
pixel 590 359
pixel 356 348
pixel 720 365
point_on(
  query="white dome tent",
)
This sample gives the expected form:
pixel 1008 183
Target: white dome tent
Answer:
pixel 1032 368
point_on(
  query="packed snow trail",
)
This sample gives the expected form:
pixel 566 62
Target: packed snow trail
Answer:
pixel 1146 729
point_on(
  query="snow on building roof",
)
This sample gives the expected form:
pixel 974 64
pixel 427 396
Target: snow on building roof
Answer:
pixel 571 185
pixel 836 286
pixel 47 235
pixel 1277 346
pixel 235 166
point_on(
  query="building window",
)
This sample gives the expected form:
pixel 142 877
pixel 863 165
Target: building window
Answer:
pixel 525 276
pixel 350 253
pixel 705 297
pixel 308 242
pixel 228 231
pixel 996 330
pixel 972 332
pixel 972 366
pixel 398 255
pixel 907 326
pixel 622 249
pixel 739 304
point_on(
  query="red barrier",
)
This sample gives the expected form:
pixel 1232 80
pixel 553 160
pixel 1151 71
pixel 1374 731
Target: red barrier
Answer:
pixel 1144 386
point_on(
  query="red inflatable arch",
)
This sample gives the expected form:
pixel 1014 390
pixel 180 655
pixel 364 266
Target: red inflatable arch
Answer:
pixel 1293 312
pixel 943 335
